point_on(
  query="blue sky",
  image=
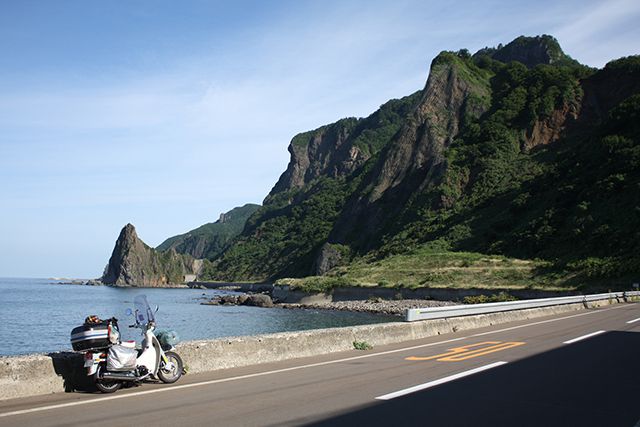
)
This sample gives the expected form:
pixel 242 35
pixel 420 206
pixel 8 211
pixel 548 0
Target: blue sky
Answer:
pixel 165 113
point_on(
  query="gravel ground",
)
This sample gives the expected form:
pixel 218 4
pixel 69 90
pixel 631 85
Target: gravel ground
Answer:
pixel 393 307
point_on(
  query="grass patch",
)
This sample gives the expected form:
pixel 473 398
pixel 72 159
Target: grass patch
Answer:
pixel 362 345
pixel 429 267
pixel 481 299
pixel 314 284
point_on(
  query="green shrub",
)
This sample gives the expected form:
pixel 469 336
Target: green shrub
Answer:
pixel 482 299
pixel 362 345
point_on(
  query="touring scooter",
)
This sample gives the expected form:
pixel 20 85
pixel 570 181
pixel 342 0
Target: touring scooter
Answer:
pixel 114 363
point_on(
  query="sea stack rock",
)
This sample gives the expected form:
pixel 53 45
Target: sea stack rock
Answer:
pixel 133 263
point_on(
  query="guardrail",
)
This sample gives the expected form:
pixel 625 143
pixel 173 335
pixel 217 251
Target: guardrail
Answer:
pixel 494 307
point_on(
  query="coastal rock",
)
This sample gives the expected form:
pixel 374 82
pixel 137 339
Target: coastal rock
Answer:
pixel 255 300
pixel 259 300
pixel 133 263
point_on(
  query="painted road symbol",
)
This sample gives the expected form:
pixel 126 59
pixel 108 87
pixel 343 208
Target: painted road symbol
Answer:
pixel 470 351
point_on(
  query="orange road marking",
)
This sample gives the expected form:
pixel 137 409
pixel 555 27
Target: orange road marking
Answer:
pixel 459 354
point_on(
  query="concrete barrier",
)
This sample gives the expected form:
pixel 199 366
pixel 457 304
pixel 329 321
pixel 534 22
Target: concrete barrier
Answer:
pixel 22 376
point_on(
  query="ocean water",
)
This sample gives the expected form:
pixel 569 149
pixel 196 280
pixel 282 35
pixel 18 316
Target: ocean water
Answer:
pixel 37 315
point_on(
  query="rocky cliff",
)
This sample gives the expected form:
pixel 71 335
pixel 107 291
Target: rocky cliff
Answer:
pixel 133 263
pixel 516 150
pixel 469 161
pixel 339 149
pixel 415 159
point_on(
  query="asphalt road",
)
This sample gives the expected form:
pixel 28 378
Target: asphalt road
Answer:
pixel 579 369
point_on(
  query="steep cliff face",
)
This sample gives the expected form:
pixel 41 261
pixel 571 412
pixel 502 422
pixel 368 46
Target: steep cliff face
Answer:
pixel 209 240
pixel 513 150
pixel 415 158
pixel 358 182
pixel 326 165
pixel 321 152
pixel 133 263
pixel 339 149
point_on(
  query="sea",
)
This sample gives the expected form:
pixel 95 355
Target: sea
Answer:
pixel 37 315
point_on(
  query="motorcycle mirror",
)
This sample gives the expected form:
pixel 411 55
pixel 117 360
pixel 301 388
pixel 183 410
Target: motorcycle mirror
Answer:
pixel 129 312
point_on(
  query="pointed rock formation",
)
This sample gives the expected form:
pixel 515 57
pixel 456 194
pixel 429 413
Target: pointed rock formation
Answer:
pixel 133 263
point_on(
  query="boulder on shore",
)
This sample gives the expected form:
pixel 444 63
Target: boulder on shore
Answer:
pixel 255 300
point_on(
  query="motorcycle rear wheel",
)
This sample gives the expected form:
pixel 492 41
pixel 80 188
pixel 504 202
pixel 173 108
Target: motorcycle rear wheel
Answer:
pixel 106 386
pixel 171 375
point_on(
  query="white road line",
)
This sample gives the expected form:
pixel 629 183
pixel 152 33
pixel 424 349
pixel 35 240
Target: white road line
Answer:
pixel 438 382
pixel 584 337
pixel 634 320
pixel 277 371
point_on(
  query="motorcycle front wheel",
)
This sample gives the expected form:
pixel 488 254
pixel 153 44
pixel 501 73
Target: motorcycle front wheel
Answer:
pixel 171 373
pixel 107 386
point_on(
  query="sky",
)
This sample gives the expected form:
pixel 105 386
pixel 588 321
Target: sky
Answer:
pixel 164 114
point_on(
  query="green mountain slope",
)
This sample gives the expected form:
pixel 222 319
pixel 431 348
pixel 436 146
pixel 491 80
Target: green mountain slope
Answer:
pixel 325 168
pixel 209 240
pixel 517 151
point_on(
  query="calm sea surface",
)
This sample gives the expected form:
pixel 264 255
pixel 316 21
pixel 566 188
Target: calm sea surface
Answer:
pixel 36 316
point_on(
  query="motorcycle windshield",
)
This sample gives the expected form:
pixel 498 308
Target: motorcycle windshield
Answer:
pixel 143 311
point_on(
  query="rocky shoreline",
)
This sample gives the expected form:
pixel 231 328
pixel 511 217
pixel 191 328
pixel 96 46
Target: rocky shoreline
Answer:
pixel 396 307
pixel 79 282
pixel 377 306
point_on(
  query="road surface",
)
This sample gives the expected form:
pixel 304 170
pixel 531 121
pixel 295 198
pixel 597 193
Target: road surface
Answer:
pixel 580 369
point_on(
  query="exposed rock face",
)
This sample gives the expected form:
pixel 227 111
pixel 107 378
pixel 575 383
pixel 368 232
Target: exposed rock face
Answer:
pixel 550 129
pixel 339 149
pixel 415 158
pixel 602 91
pixel 133 263
pixel 320 152
pixel 328 258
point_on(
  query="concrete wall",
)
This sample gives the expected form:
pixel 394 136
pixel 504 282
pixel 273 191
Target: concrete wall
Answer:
pixel 39 374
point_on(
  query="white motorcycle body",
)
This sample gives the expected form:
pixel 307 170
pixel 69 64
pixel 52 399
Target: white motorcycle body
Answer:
pixel 151 361
pixel 149 356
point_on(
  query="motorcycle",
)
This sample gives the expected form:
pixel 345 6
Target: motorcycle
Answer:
pixel 114 363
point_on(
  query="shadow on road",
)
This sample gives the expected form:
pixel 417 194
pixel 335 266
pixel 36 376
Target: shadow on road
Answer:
pixel 595 382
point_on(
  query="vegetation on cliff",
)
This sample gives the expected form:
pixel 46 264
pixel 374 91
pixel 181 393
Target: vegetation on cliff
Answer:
pixel 518 151
pixel 209 240
pixel 284 236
